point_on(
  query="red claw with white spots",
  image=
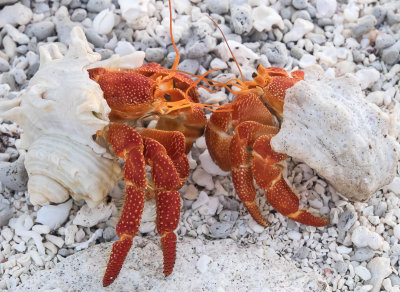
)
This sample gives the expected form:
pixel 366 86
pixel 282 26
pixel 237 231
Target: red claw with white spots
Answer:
pixel 150 90
pixel 239 140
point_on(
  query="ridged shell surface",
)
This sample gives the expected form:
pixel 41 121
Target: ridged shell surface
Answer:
pixel 60 113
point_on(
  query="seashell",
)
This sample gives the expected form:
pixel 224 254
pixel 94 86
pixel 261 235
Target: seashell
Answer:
pixel 60 112
pixel 328 124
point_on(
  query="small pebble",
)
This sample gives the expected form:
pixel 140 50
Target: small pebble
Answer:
pixel 54 215
pixel 364 25
pixel 241 19
pixel 362 272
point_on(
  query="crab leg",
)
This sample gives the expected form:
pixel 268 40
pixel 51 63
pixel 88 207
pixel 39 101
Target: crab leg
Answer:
pixel 241 160
pixel 268 175
pixel 127 143
pixel 166 180
pixel 174 144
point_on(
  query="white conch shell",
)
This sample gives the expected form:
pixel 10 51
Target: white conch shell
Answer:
pixel 328 124
pixel 60 112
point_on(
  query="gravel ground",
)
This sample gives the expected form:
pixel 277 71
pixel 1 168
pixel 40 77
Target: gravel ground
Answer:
pixel 358 251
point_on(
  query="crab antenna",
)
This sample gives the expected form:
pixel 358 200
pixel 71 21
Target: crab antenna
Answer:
pixel 176 62
pixel 226 42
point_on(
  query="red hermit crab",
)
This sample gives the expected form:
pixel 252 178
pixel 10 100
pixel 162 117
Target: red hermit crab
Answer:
pixel 239 140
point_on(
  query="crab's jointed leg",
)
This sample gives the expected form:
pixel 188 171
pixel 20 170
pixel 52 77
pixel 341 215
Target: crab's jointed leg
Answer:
pixel 127 144
pixel 166 181
pixel 268 175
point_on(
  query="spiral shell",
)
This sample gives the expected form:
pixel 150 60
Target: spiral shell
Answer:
pixel 60 113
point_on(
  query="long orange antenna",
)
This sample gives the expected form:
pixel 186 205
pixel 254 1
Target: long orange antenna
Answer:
pixel 226 42
pixel 176 62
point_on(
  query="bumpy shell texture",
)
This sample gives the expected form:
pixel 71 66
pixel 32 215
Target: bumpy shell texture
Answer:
pixel 328 124
pixel 60 112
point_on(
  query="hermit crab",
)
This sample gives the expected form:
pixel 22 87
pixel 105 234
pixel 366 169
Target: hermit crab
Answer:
pixel 321 121
pixel 240 140
pixel 76 115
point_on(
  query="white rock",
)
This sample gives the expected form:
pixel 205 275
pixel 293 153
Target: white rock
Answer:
pixel 307 60
pixel 4 88
pixel 380 269
pixel 257 228
pixel 202 200
pixel 58 241
pixel 344 249
pixel 328 125
pixel 80 235
pixel 51 247
pixel 36 258
pixel 21 229
pixel 143 266
pixel 396 231
pixel 84 245
pixel 326 8
pixel 218 63
pixel 294 235
pixel 147 227
pixel 7 234
pixel 20 247
pixel 394 186
pixel 124 48
pixel 376 97
pixel 16 35
pixel 208 165
pixel 15 14
pixel 70 232
pixel 149 211
pixel 201 142
pixel 42 229
pixel 264 18
pixel 363 237
pixel 89 217
pixel 202 178
pixel 137 12
pixel 367 77
pixel 24 260
pixel 54 215
pixel 242 53
pixel 351 11
pixel 299 29
pixel 362 272
pixel 210 208
pixel 103 23
pixel 10 48
pixel 202 263
pixel 327 56
pixel 191 193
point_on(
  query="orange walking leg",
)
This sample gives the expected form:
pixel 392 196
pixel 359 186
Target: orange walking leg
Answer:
pixel 268 175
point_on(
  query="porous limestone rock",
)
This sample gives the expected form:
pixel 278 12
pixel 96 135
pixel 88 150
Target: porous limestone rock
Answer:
pixel 231 268
pixel 328 124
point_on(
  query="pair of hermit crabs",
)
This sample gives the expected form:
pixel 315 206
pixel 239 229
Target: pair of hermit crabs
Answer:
pixel 77 115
